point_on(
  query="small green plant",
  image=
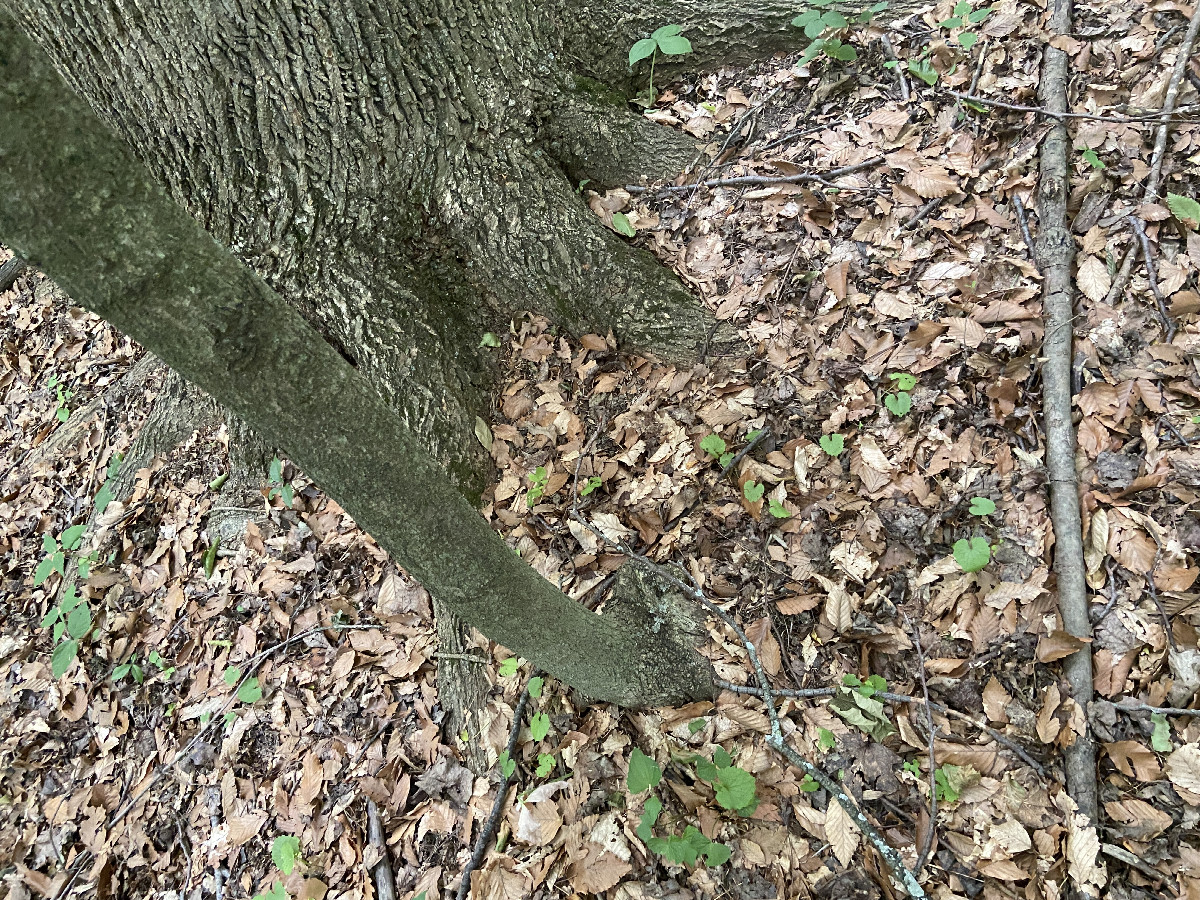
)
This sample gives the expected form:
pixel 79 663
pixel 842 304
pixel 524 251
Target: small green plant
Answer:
pixel 963 17
pixel 912 767
pixel 666 40
pixel 161 664
pixel 921 68
pixel 854 700
pixel 591 485
pixel 688 848
pixel 509 667
pixel 62 411
pixel 778 510
pixel 819 20
pixel 210 557
pixel 279 487
pixel 537 479
pixel 832 444
pixel 1092 159
pixel 808 784
pixel 735 788
pixel 981 506
pixel 950 781
pixel 1160 738
pixel 56 553
pixel 696 725
pixel 826 739
pixel 753 491
pixel 249 692
pixel 131 668
pixel 508 765
pixel 622 225
pixel 1185 209
pixel 535 686
pixel 900 402
pixel 70 621
pixel 714 446
pixel 539 726
pixel 545 765
pixel 489 340
pixel 972 555
pixel 105 495
pixel 285 852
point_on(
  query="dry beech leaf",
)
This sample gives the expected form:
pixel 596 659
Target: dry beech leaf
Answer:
pixel 1093 279
pixel 1058 644
pixel 748 718
pixel 1183 769
pixel 931 182
pixel 765 644
pixel 841 832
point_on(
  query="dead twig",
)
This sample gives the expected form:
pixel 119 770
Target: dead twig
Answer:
pixel 1160 710
pixel 1160 148
pixel 927 842
pixel 489 829
pixel 385 882
pixel 823 178
pixel 905 94
pixel 923 213
pixel 1147 119
pixel 1023 221
pixel 1164 317
pixel 1056 249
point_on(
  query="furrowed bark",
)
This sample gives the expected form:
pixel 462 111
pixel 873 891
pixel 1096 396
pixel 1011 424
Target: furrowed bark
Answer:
pixel 75 202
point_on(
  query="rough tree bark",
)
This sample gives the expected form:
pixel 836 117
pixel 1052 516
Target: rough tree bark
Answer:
pixel 400 178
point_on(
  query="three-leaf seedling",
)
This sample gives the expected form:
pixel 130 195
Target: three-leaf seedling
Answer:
pixel 279 487
pixel 62 411
pixel 817 21
pixel 667 41
pixel 537 480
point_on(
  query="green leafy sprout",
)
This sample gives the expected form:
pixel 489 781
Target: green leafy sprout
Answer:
pixel 1186 209
pixel 753 491
pixel 972 555
pixel 62 411
pixel 1092 159
pixel 950 781
pixel 778 510
pixel 622 225
pixel 591 485
pixel 279 487
pixel 537 479
pixel 667 41
pixel 855 701
pixel 818 22
pixel 900 402
pixel 714 446
pixel 963 17
pixel 688 848
pixel 832 444
pixel 981 506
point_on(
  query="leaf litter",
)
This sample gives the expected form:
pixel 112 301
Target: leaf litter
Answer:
pixel 840 522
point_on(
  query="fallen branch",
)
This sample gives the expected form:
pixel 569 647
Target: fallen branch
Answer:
pixel 757 180
pixel 1061 115
pixel 1056 249
pixel 1023 221
pixel 905 94
pixel 10 271
pixel 927 843
pixel 489 829
pixel 1160 148
pixel 385 882
pixel 1152 276
pixel 1160 710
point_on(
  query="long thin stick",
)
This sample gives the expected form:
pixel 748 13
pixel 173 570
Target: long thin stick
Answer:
pixel 759 180
pixel 1056 250
pixel 485 836
pixel 1060 115
pixel 1160 147
pixel 1152 276
pixel 385 882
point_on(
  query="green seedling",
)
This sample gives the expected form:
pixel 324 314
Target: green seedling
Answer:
pixel 249 692
pixel 285 853
pixel 545 765
pixel 591 485
pixel 1092 159
pixel 61 410
pixel 912 767
pixel 131 669
pixel 535 686
pixel 279 487
pixel 964 16
pixel 972 555
pixel 832 444
pixel 70 619
pixel 509 666
pixel 689 847
pixel 753 491
pixel 1160 738
pixel 696 725
pixel 951 780
pixel 489 340
pixel 713 445
pixel 1185 209
pixel 56 553
pixel 507 764
pixel 922 68
pixel 105 495
pixel 808 784
pixel 161 664
pixel 622 225
pixel 854 700
pixel 735 788
pixel 667 41
pixel 539 726
pixel 826 739
pixel 210 557
pixel 981 506
pixel 219 482
pixel 901 401
pixel 537 478
pixel 644 772
pixel 778 510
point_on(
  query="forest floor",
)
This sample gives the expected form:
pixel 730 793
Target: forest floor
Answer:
pixel 889 407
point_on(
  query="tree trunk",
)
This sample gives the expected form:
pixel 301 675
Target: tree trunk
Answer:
pixel 401 177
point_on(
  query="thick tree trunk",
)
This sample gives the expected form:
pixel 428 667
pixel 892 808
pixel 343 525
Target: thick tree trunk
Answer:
pixel 74 202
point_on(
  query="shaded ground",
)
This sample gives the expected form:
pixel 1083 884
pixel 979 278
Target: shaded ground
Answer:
pixel 835 563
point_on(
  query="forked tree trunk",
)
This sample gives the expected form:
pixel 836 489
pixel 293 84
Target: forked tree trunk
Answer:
pixel 401 177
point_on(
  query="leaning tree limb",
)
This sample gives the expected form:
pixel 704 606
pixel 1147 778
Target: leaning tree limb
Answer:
pixel 1056 252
